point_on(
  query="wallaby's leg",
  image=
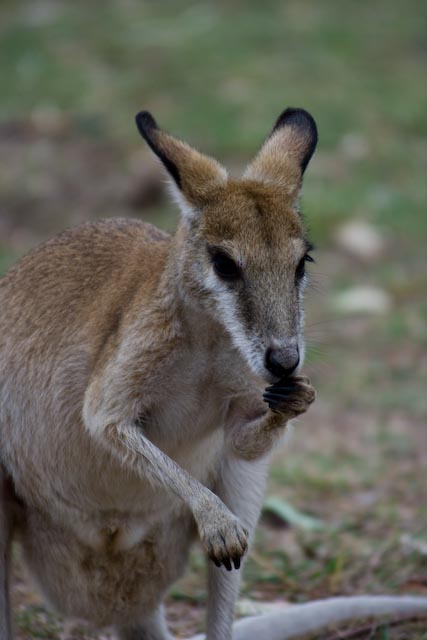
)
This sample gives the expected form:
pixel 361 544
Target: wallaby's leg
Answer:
pixel 152 628
pixel 5 544
pixel 241 486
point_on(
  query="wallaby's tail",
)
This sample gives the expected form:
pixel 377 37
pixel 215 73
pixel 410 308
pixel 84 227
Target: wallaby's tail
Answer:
pixel 309 619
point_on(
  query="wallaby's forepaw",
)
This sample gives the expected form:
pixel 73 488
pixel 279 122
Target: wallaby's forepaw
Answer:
pixel 290 396
pixel 223 536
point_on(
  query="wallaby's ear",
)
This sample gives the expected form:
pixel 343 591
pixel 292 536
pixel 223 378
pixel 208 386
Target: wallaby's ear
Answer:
pixel 194 174
pixel 286 153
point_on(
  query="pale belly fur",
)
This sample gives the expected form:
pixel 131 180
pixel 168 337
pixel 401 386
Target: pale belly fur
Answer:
pixel 106 585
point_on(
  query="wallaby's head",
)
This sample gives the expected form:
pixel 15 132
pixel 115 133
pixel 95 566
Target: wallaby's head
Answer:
pixel 242 242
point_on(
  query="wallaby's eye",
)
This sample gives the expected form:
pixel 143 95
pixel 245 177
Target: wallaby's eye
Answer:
pixel 224 266
pixel 300 271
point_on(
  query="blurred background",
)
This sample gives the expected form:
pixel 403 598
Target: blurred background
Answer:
pixel 346 505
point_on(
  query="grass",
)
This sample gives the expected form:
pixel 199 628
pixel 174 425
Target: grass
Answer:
pixel 220 73
pixel 72 77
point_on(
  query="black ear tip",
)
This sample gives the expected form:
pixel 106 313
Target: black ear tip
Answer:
pixel 299 118
pixel 145 123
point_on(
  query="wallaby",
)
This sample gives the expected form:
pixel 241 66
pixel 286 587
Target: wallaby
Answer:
pixel 133 367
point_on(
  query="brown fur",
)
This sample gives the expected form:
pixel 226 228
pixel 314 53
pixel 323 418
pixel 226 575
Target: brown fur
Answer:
pixel 131 380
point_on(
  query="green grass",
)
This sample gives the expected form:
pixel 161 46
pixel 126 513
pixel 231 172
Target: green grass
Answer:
pixel 219 73
pixel 7 257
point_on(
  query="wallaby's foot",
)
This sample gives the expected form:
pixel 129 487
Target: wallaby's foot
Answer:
pixel 222 534
pixel 290 396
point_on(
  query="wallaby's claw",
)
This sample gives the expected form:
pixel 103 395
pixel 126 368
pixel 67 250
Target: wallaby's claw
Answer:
pixel 214 560
pixel 290 396
pixel 223 536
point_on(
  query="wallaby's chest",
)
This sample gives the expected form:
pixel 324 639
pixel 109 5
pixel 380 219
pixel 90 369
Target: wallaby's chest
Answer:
pixel 194 397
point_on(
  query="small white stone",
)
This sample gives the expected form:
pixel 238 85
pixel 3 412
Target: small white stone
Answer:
pixel 410 544
pixel 360 239
pixel 355 146
pixel 363 299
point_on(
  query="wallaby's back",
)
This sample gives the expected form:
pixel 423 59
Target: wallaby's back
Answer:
pixel 85 277
pixel 62 308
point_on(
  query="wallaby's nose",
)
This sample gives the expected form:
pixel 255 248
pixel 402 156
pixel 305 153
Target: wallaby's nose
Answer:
pixel 281 362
